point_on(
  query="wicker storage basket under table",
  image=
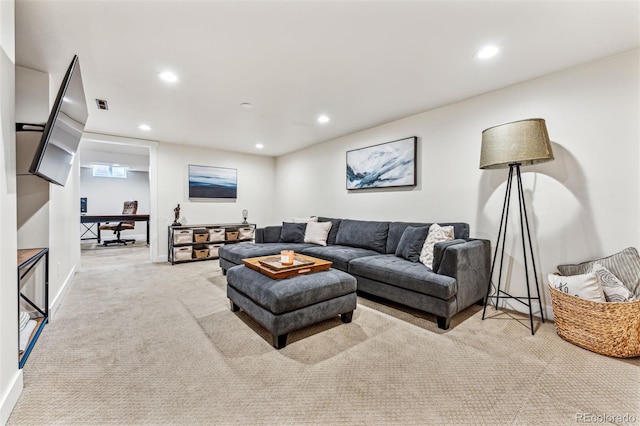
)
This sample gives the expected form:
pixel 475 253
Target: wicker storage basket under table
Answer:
pixel 607 328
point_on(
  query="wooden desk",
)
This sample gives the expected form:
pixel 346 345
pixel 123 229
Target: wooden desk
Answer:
pixel 98 219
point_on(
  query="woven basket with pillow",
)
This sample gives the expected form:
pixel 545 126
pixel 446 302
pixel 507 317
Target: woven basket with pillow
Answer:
pixel 611 327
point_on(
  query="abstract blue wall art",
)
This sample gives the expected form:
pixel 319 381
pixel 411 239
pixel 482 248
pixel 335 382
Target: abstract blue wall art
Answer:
pixel 212 182
pixel 381 166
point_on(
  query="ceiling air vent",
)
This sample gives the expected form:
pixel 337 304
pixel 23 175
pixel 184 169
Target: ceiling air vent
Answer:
pixel 102 104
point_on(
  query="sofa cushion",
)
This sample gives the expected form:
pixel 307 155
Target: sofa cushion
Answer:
pixel 335 224
pixel 396 229
pixel 339 255
pixel 401 273
pixel 365 234
pixel 317 233
pixel 270 234
pixel 625 265
pixel 236 252
pixel 292 232
pixel 411 243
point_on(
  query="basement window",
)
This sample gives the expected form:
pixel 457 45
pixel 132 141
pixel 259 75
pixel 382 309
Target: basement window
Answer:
pixel 101 170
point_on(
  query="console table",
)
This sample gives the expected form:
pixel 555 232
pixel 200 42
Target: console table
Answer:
pixel 28 260
pixel 188 243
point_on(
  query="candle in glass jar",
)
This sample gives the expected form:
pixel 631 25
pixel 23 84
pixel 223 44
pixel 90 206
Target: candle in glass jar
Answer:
pixel 286 257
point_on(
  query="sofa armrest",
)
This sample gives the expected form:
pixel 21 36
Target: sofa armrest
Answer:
pixel 470 264
pixel 439 249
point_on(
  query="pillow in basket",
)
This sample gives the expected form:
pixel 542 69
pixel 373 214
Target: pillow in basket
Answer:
pixel 625 265
pixel 585 286
pixel 614 290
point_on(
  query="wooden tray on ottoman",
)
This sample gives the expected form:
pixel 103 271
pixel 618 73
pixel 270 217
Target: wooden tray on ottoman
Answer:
pixel 271 266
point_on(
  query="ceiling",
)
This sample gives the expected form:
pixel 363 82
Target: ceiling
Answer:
pixel 362 63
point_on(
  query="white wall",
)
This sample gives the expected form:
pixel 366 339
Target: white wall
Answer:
pixel 256 189
pixel 64 251
pixel 32 107
pixel 10 376
pixel 584 204
pixel 107 196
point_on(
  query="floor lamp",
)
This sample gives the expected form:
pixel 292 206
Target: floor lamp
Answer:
pixel 515 144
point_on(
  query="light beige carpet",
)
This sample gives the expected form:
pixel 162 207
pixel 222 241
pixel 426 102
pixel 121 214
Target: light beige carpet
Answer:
pixel 141 343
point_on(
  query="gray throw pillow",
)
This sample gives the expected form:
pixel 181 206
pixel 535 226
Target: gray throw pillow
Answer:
pixel 292 232
pixel 411 242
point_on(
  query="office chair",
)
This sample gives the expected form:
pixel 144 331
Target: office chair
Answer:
pixel 130 207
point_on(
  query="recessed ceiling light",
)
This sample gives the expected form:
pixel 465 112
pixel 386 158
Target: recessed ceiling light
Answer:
pixel 168 76
pixel 323 119
pixel 487 52
pixel 144 127
pixel 246 105
pixel 259 146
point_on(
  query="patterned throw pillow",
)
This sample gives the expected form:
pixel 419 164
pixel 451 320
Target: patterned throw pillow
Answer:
pixel 437 234
pixel 585 286
pixel 614 290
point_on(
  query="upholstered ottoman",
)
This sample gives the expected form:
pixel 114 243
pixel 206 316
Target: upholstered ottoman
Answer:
pixel 282 306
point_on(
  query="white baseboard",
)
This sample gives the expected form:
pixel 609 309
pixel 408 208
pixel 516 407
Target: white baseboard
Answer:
pixel 56 301
pixel 161 259
pixel 10 397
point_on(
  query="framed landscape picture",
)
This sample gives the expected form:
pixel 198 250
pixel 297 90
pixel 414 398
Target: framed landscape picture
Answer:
pixel 385 165
pixel 212 182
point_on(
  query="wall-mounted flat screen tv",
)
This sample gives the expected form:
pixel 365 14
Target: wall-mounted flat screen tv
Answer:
pixel 54 156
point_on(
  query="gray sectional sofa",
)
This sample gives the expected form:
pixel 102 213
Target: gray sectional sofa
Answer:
pixel 368 250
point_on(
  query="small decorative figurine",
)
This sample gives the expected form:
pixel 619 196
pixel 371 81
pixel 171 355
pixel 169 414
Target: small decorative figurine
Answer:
pixel 176 213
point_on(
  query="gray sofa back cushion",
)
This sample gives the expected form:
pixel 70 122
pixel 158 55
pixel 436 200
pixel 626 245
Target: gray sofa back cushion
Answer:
pixel 363 234
pixel 460 230
pixel 335 225
pixel 271 234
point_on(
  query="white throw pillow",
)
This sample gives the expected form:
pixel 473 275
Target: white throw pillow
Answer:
pixel 317 233
pixel 614 289
pixel 436 234
pixel 585 286
pixel 305 219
